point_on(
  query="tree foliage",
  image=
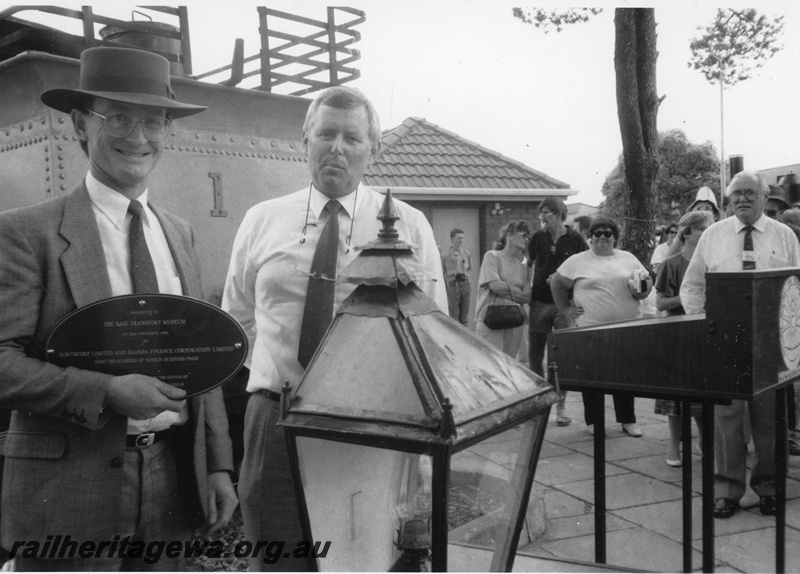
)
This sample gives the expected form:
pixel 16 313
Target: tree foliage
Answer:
pixel 683 168
pixel 549 20
pixel 742 39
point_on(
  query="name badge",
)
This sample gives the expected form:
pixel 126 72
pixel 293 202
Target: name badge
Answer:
pixel 749 256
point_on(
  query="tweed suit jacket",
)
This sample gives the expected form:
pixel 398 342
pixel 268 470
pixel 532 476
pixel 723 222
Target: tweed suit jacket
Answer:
pixel 64 452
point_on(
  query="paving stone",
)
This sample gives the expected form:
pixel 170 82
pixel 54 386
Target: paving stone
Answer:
pixel 644 500
pixel 626 490
pixel 551 449
pixel 754 551
pixel 561 505
pixel 569 468
pixel 620 446
pixel 636 548
pixel 576 526
pixel 666 518
pixel 656 467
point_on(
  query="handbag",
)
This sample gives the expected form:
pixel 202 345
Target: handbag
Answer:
pixel 504 316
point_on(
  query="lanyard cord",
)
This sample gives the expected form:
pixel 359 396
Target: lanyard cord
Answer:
pixel 352 219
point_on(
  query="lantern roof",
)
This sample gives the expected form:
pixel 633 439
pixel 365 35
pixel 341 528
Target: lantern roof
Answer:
pixel 395 370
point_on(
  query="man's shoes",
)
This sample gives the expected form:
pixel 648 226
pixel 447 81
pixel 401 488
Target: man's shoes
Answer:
pixel 725 507
pixel 632 429
pixel 794 448
pixel 768 505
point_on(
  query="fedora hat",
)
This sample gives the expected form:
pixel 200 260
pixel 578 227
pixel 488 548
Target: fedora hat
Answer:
pixel 122 75
pixel 776 193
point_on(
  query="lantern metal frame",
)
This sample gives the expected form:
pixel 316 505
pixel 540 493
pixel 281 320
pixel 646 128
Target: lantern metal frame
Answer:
pixel 465 390
pixel 439 435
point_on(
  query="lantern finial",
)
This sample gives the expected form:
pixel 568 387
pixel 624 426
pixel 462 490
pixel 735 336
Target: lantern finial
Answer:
pixel 388 215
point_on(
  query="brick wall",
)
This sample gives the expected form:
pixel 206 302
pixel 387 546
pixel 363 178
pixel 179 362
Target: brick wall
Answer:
pixel 512 211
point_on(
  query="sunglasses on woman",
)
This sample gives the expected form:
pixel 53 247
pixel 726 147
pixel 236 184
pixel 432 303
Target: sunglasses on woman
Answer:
pixel 605 233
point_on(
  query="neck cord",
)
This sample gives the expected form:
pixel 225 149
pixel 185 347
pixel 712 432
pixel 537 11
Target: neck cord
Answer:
pixel 352 218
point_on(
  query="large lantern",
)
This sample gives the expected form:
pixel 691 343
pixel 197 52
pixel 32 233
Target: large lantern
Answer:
pixel 408 433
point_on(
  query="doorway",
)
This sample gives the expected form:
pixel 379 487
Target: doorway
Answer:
pixel 467 218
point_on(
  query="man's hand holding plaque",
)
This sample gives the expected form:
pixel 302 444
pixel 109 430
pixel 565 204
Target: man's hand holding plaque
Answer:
pixel 140 397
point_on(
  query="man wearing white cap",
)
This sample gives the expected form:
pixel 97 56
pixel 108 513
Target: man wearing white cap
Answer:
pixel 705 201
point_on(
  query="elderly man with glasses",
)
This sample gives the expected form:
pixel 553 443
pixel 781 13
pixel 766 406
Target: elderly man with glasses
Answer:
pixel 749 240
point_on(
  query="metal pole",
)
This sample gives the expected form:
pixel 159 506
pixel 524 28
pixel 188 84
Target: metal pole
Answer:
pixel 721 133
pixel 720 48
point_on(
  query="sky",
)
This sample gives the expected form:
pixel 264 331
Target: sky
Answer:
pixel 544 99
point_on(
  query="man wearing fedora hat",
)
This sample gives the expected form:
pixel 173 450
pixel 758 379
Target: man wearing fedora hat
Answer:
pixel 91 457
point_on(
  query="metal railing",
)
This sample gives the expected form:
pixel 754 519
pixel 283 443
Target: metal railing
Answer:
pixel 26 33
pixel 300 63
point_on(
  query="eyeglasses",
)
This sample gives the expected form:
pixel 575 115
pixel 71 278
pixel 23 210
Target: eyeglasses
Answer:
pixel 122 125
pixel 607 233
pixel 523 234
pixel 543 214
pixel 771 212
pixel 748 194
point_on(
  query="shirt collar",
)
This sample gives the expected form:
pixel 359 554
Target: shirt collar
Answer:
pixel 348 202
pixel 112 203
pixel 759 225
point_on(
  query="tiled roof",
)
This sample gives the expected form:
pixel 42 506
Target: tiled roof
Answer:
pixel 418 153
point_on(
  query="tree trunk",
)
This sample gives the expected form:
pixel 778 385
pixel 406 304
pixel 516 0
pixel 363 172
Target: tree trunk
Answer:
pixel 637 107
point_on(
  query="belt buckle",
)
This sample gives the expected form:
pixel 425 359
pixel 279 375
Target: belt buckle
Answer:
pixel 145 439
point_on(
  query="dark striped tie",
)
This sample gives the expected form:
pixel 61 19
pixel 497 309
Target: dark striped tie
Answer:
pixel 748 246
pixel 143 272
pixel 318 310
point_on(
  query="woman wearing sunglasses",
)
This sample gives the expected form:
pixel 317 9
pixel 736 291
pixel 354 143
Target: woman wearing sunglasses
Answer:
pixel 607 285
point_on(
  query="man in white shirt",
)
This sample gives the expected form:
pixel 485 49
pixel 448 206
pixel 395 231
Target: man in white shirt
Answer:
pixel 725 246
pixel 269 278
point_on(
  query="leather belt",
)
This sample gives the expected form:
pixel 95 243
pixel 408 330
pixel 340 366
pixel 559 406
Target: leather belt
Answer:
pixel 270 394
pixel 145 439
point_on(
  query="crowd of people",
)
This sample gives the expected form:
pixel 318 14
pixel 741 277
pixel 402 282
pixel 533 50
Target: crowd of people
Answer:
pixel 580 277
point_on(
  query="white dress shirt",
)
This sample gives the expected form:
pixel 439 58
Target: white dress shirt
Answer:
pixel 268 276
pixel 720 249
pixel 111 213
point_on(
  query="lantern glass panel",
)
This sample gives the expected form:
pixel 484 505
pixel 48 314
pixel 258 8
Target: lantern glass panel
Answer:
pixel 472 373
pixel 380 388
pixel 359 497
pixel 487 487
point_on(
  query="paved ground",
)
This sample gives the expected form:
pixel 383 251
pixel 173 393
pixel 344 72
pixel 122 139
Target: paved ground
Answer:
pixel 644 517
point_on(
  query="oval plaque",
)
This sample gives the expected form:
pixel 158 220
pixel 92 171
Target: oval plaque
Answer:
pixel 185 342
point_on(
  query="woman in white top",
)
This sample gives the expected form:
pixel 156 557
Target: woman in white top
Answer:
pixel 504 279
pixel 606 287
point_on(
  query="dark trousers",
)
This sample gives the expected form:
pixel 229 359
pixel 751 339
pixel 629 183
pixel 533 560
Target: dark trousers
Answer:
pixel 623 408
pixel 458 301
pixel 270 510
